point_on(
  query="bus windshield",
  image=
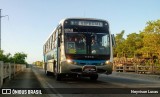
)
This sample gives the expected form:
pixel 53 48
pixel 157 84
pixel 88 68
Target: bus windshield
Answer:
pixel 92 43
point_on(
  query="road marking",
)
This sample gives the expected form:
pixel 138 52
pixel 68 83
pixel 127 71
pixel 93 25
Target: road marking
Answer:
pixel 45 83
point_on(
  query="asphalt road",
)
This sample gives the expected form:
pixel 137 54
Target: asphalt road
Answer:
pixel 105 86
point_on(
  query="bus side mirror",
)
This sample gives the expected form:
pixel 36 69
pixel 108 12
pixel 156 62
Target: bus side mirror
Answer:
pixel 59 42
pixel 113 40
pixel 60 34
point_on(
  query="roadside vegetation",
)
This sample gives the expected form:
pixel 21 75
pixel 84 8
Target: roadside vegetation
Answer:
pixel 145 44
pixel 18 58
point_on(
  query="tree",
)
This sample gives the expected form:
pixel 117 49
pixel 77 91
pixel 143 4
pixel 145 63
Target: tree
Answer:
pixel 19 58
pixel 120 45
pixel 146 43
pixel 3 57
pixel 151 38
pixel 133 43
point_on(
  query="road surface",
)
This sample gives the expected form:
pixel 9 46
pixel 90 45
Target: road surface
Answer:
pixel 105 86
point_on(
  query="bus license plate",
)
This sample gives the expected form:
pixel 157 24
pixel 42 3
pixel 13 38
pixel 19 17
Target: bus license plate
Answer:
pixel 89 68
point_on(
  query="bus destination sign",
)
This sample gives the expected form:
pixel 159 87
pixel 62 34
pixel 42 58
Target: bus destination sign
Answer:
pixel 87 23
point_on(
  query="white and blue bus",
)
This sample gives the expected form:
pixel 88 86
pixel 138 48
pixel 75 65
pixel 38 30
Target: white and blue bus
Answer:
pixel 79 47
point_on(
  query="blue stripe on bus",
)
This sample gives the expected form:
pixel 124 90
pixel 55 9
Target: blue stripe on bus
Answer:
pixel 89 62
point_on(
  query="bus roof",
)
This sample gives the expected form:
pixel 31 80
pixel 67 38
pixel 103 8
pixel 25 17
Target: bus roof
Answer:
pixel 62 21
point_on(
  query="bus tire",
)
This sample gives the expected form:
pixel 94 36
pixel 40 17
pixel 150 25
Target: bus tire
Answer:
pixel 58 77
pixel 48 73
pixel 94 77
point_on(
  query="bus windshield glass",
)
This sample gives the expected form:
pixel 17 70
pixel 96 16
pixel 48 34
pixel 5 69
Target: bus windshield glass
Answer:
pixel 86 42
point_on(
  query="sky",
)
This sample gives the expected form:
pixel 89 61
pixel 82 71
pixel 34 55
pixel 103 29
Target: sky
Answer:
pixel 31 21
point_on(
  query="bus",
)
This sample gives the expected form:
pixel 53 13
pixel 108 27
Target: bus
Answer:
pixel 79 47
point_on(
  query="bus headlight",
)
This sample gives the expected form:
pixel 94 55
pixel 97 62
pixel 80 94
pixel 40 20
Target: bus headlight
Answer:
pixel 108 62
pixel 69 61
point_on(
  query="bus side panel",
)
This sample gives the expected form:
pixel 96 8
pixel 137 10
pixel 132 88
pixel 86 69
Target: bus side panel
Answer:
pixel 49 61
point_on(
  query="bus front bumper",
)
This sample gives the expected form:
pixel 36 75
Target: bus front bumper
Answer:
pixel 79 69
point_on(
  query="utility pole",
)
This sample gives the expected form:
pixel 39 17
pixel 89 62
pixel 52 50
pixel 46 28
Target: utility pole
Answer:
pixel 0 26
pixel 0 29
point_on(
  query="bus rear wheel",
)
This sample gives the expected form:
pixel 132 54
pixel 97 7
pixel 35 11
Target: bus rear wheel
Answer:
pixel 58 77
pixel 94 77
pixel 47 73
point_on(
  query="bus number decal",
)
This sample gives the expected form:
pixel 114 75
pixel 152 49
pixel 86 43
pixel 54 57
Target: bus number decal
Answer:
pixel 68 30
